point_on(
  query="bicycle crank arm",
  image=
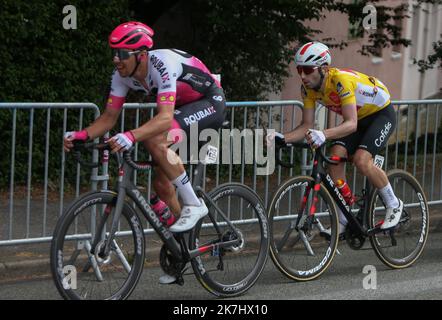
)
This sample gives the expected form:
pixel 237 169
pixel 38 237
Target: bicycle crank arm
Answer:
pixel 208 248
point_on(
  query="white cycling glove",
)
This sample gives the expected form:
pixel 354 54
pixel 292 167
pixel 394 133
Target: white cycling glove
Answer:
pixel 125 140
pixel 318 137
pixel 76 135
pixel 279 139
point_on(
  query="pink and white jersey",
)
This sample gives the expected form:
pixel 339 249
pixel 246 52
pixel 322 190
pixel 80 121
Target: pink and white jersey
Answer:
pixel 174 76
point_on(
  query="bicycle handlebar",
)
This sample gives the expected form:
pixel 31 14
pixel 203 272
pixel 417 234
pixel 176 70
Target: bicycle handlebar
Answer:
pixel 80 146
pixel 334 160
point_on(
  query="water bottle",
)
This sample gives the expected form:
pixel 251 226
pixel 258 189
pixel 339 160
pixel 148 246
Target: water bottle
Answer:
pixel 345 191
pixel 162 210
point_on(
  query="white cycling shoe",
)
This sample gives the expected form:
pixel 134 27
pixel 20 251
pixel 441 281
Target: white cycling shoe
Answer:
pixel 392 216
pixel 327 232
pixel 167 279
pixel 190 215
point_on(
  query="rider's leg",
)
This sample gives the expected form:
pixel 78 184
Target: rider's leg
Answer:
pixel 363 160
pixel 338 172
pixel 212 106
pixel 166 191
pixel 169 168
pixel 377 129
pixel 172 168
pixel 161 183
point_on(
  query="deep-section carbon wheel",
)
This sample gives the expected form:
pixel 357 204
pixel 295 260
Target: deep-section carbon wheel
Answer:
pixel 401 246
pixel 231 271
pixel 79 266
pixel 301 249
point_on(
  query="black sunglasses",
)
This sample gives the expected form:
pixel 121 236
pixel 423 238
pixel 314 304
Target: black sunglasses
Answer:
pixel 123 54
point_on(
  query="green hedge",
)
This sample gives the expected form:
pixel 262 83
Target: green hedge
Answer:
pixel 40 61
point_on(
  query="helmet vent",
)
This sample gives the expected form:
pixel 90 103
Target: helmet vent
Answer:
pixel 309 58
pixel 134 40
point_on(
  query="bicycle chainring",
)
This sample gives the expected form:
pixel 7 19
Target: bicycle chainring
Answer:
pixel 229 235
pixel 354 241
pixel 169 264
pixel 99 254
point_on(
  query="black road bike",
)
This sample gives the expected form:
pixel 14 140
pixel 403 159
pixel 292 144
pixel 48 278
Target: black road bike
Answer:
pixel 304 207
pixel 98 246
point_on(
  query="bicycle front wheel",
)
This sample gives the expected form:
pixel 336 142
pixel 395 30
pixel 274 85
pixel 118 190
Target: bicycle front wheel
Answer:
pixel 302 251
pixel 401 246
pixel 79 269
pixel 231 271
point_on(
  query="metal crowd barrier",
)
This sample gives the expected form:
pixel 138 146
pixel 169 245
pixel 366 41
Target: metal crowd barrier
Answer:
pixel 242 115
pixel 31 220
pixel 27 219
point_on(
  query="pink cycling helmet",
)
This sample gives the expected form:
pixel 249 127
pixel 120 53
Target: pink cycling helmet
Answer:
pixel 131 35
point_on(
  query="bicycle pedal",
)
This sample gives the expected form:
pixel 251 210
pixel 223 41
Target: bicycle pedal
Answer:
pixel 373 231
pixel 180 281
pixel 184 270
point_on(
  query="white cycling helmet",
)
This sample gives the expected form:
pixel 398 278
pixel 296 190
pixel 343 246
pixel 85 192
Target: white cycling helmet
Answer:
pixel 313 54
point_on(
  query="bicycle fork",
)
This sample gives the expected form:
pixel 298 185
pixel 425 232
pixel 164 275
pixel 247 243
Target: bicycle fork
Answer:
pixel 96 249
pixel 298 225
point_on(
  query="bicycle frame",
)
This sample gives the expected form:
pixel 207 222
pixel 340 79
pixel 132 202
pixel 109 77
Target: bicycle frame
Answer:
pixel 319 174
pixel 179 248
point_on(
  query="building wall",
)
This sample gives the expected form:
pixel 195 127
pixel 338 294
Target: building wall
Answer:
pixel 423 29
pixel 395 69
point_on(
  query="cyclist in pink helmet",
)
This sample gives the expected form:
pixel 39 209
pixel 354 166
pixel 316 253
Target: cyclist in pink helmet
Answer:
pixel 187 94
pixel 130 35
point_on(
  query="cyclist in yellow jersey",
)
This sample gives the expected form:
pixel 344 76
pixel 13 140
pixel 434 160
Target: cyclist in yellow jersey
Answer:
pixel 369 120
pixel 343 87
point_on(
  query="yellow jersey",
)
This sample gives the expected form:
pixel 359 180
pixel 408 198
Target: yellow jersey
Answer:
pixel 344 86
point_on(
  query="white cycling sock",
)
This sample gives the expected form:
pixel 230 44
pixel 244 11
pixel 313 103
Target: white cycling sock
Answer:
pixel 185 190
pixel 390 199
pixel 342 218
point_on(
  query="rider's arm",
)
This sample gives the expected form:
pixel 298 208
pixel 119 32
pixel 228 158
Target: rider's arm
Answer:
pixel 100 126
pixel 161 122
pixel 308 120
pixel 350 124
pixel 107 120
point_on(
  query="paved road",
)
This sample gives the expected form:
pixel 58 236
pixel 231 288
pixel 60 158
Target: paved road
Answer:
pixel 343 280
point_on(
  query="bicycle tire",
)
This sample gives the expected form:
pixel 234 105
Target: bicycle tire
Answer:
pixel 276 255
pixel 201 264
pixel 384 255
pixel 64 223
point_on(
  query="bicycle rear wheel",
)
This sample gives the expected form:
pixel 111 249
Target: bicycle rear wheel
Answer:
pixel 231 271
pixel 301 253
pixel 78 270
pixel 402 246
